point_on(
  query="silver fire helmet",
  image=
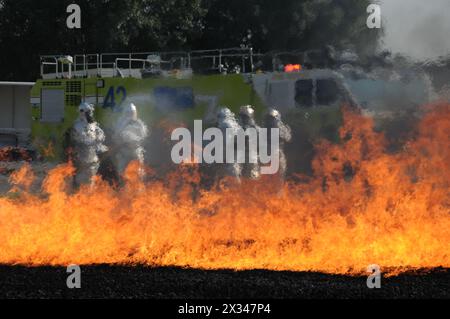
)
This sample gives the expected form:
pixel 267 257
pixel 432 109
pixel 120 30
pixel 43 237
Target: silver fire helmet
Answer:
pixel 224 112
pixel 85 107
pixel 273 113
pixel 247 110
pixel 130 111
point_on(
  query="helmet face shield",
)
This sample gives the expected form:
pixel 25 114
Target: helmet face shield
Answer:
pixel 87 110
pixel 247 111
pixel 224 113
pixel 273 115
pixel 247 114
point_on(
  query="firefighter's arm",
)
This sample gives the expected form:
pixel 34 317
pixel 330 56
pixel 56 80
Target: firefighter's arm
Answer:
pixel 286 133
pixel 134 135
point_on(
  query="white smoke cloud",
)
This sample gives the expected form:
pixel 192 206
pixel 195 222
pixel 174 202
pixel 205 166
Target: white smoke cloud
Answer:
pixel 417 28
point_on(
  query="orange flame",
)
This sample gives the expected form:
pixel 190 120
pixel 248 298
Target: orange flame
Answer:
pixel 289 68
pixel 22 179
pixel 393 211
pixel 48 151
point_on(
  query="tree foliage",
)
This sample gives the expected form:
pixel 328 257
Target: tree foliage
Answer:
pixel 29 28
pixel 289 24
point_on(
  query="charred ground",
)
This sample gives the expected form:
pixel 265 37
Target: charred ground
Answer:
pixel 123 282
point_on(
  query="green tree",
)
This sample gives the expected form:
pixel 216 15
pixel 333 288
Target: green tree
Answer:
pixel 29 28
pixel 289 24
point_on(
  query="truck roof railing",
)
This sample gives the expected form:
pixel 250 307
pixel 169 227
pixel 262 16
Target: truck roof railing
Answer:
pixel 141 64
pixel 135 64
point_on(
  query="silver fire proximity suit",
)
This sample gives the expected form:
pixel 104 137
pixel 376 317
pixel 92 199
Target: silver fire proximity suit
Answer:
pixel 87 141
pixel 226 121
pixel 273 120
pixel 129 136
pixel 251 168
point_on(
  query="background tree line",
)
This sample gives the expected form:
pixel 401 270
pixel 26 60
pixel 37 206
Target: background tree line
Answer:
pixel 29 28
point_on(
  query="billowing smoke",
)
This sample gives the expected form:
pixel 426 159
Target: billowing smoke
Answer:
pixel 416 28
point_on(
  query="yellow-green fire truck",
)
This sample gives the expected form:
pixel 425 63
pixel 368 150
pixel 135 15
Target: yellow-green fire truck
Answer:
pixel 184 86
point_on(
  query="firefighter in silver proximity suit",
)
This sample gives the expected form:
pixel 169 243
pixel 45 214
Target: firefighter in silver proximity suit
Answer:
pixel 226 121
pixel 87 141
pixel 129 136
pixel 273 120
pixel 251 167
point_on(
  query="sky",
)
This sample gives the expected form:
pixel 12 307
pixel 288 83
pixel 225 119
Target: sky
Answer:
pixel 418 28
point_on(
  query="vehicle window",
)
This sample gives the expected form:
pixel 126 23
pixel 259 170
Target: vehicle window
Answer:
pixel 304 93
pixel 327 91
pixel 52 106
pixel 174 98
